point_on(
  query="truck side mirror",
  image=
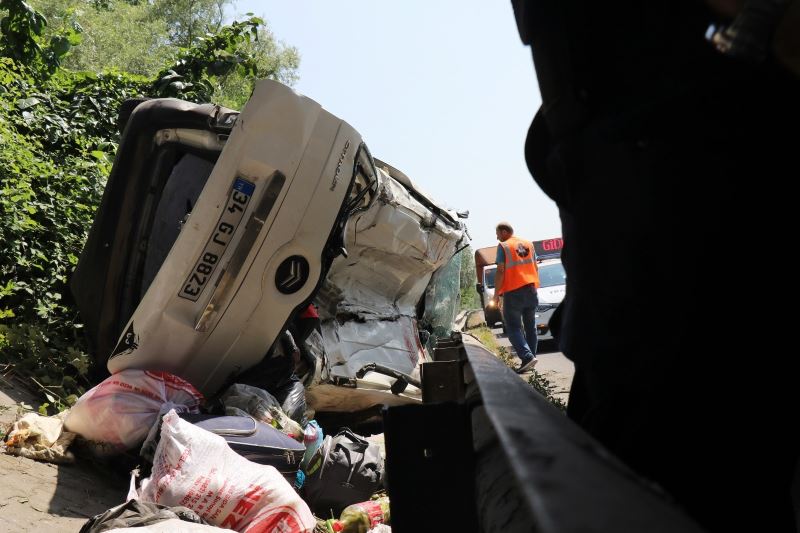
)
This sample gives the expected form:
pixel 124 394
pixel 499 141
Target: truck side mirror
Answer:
pixel 479 288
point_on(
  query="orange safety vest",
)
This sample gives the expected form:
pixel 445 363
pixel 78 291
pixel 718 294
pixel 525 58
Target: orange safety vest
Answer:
pixel 520 265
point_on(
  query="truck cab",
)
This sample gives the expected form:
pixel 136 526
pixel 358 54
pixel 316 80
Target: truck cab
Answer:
pixel 485 270
pixel 491 312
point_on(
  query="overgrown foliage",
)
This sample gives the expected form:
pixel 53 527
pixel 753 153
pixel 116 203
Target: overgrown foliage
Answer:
pixel 22 29
pixel 119 35
pixel 194 73
pixel 546 389
pixel 58 141
pixel 272 60
pixel 58 137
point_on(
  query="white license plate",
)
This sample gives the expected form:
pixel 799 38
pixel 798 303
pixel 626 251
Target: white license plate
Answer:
pixel 206 264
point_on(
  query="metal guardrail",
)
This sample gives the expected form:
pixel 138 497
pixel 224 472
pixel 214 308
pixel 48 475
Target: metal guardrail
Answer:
pixel 486 452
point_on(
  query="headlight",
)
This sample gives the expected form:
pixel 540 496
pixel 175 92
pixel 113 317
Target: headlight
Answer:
pixel 491 303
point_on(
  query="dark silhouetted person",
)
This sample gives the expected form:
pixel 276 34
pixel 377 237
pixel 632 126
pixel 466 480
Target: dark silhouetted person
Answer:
pixel 670 162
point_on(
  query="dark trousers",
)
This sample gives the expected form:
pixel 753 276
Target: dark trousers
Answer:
pixel 519 317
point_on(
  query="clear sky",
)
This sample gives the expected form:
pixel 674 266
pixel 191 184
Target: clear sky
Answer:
pixel 443 90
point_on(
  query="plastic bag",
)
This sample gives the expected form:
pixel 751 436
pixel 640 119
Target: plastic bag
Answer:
pixel 262 406
pixel 169 526
pixel 293 398
pixel 144 516
pixel 122 408
pixel 41 438
pixel 195 468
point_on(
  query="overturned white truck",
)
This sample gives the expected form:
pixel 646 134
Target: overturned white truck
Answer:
pixel 218 229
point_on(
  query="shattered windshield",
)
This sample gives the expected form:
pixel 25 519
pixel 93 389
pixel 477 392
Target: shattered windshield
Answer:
pixel 442 301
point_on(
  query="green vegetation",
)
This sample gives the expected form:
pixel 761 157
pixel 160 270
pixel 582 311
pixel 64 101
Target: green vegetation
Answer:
pixel 546 389
pixel 488 339
pixel 124 38
pixel 469 297
pixel 58 137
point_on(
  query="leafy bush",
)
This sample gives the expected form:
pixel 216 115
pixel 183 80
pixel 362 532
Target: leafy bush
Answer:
pixel 546 389
pixel 58 139
pixel 23 39
pixel 210 60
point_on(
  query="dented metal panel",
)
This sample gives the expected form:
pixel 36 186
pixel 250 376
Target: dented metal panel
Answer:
pixel 372 299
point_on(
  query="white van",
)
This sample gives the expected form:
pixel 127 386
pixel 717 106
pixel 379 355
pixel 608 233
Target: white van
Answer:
pixel 551 291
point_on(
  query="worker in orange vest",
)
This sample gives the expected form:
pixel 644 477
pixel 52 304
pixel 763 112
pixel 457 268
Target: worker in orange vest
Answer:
pixel 516 280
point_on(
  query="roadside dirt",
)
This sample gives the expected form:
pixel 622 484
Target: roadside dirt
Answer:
pixel 37 496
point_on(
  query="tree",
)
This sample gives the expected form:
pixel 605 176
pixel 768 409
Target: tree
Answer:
pixel 120 36
pixel 24 39
pixel 197 72
pixel 273 61
pixel 469 298
pixel 140 37
pixel 188 20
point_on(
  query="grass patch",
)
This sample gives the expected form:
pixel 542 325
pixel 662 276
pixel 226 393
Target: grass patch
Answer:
pixel 487 338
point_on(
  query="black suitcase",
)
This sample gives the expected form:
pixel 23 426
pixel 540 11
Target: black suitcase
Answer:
pixel 255 441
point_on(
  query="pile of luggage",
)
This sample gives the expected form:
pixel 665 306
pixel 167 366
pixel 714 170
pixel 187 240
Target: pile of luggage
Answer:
pixel 239 463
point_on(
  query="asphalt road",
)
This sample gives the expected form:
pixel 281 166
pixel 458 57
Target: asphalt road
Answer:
pixel 552 365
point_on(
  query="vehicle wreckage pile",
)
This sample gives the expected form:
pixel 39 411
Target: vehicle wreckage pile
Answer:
pixel 254 283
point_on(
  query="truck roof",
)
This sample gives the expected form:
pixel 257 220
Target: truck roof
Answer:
pixel 484 257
